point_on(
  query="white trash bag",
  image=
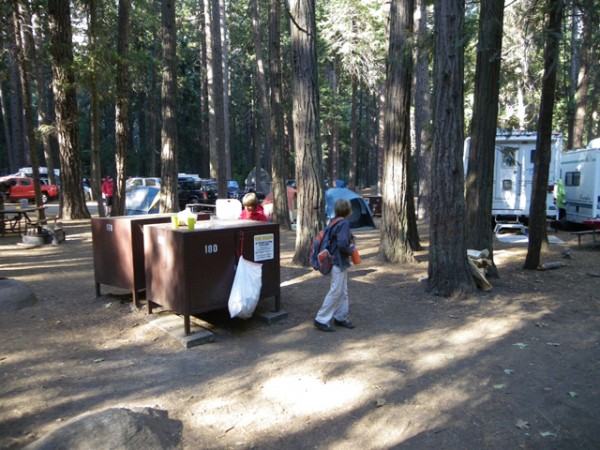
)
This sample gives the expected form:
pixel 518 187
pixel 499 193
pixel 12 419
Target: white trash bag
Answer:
pixel 245 290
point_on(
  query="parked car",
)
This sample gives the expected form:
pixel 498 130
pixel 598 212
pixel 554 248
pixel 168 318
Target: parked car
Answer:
pixel 233 189
pixel 139 181
pixel 193 190
pixel 22 188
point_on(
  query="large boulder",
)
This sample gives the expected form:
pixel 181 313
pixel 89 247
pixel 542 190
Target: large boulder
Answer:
pixel 15 295
pixel 113 429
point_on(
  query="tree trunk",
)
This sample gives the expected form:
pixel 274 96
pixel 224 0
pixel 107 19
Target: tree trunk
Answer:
pixel 399 235
pixel 353 178
pixel 96 175
pixel 215 96
pixel 72 200
pixel 305 117
pixel 422 105
pixel 16 153
pixel 449 273
pixel 23 58
pixel 380 136
pixel 37 46
pixel 168 190
pixel 263 96
pixel 537 210
pixel 226 157
pixel 480 175
pixel 280 205
pixel 121 109
pixel 203 119
pixel 334 148
pixel 5 121
pixel 573 70
pixel 583 79
pixel 155 104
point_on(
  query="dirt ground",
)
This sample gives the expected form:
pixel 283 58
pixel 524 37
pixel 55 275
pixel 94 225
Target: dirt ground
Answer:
pixel 517 367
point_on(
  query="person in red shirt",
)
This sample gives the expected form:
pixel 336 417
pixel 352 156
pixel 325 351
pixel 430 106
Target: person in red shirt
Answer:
pixel 252 210
pixel 107 192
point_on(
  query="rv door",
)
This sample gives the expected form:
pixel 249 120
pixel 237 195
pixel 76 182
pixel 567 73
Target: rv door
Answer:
pixel 508 180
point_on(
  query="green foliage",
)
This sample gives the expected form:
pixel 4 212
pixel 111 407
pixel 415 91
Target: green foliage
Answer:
pixel 351 41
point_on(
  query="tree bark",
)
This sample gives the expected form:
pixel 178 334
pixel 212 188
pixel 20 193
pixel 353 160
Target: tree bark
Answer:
pixel 583 79
pixel 263 100
pixel 537 211
pixel 480 175
pixel 168 190
pixel 215 96
pixel 23 58
pixel 353 178
pixel 37 45
pixel 72 200
pixel 121 109
pixel 280 205
pixel 305 118
pixel 449 274
pixel 422 105
pixel 203 119
pixel 399 235
pixel 227 174
pixel 334 147
pixel 16 154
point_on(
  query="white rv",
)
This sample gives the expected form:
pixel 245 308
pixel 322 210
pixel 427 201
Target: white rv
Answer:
pixel 581 178
pixel 513 172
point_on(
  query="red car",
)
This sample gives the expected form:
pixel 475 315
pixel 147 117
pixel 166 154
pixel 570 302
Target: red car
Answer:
pixel 22 187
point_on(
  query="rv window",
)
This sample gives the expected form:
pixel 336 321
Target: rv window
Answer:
pixel 572 178
pixel 507 185
pixel 508 156
pixel 532 157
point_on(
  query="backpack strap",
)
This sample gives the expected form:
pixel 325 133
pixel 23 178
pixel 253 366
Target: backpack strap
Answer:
pixel 329 229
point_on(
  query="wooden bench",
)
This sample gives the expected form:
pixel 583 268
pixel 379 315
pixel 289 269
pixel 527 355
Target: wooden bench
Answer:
pixel 585 233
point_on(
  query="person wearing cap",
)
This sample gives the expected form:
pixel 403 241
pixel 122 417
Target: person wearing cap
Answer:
pixel 107 192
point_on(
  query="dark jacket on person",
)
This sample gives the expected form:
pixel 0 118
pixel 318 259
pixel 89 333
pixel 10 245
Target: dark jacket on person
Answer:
pixel 342 244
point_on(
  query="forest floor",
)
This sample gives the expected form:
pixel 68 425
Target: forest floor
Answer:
pixel 516 367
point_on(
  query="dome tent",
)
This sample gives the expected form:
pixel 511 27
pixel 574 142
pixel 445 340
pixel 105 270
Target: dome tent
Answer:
pixel 361 213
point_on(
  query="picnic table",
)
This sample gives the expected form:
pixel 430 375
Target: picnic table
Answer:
pixel 12 216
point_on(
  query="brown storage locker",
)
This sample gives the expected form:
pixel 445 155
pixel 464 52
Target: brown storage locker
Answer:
pixel 190 272
pixel 118 244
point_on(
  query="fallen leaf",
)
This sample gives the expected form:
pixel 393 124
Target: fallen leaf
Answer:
pixel 547 434
pixel 522 424
pixel 508 371
pixel 449 356
pixel 572 394
pixel 520 345
pixel 380 402
pixel 98 360
pixel 552 344
pixel 499 386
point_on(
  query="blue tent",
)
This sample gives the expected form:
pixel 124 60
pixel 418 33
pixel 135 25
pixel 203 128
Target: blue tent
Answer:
pixel 142 200
pixel 361 213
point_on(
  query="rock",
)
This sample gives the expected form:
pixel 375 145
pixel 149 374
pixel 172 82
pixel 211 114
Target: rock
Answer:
pixel 112 429
pixel 15 295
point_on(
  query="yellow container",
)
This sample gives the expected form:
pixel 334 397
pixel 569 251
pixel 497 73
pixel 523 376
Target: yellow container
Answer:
pixel 175 222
